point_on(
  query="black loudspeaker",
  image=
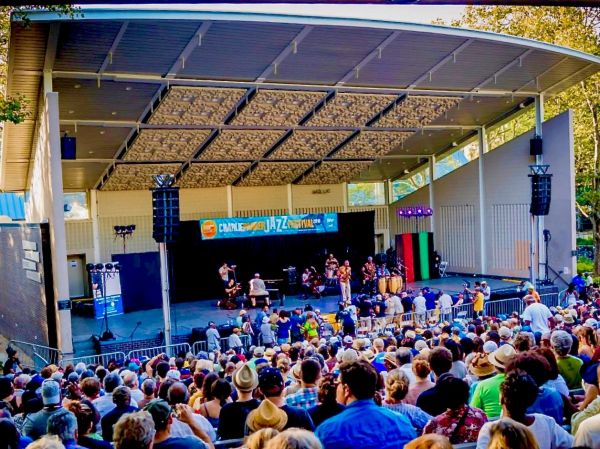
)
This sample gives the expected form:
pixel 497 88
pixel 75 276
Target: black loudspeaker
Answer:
pixel 541 189
pixel 198 334
pixel 68 148
pixel 165 214
pixel 536 147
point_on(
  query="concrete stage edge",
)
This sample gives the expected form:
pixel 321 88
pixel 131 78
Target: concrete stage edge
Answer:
pixel 187 315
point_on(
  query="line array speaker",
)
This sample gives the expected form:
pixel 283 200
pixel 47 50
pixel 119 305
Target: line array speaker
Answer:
pixel 541 190
pixel 165 214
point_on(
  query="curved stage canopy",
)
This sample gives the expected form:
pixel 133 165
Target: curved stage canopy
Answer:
pixel 257 99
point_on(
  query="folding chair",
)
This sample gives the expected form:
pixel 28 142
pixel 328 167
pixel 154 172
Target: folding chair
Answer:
pixel 443 267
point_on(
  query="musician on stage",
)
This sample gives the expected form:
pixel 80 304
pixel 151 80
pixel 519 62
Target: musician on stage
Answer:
pixel 224 273
pixel 257 289
pixel 382 271
pixel 369 272
pixel 331 266
pixel 306 283
pixel 344 274
pixel 231 293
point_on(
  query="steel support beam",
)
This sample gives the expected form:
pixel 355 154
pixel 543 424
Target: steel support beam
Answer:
pixel 157 79
pixel 537 78
pixel 194 43
pixel 291 48
pixel 494 77
pixel 431 164
pixel 481 133
pixel 440 64
pixel 375 53
pixel 141 125
pixel 111 51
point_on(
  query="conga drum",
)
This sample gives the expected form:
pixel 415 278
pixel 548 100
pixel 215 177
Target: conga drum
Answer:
pixel 382 285
pixel 395 284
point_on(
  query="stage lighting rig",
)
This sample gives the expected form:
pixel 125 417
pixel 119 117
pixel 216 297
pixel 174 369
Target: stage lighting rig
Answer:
pixel 99 273
pixel 415 212
pixel 124 232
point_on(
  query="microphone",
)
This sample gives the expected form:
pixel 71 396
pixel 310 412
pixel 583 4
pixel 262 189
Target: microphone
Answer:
pixel 138 324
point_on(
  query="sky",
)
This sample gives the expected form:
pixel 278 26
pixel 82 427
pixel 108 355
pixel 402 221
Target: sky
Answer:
pixel 400 13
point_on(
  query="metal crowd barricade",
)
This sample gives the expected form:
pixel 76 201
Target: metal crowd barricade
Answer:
pixel 96 359
pixel 170 350
pixel 39 355
pixel 551 299
pixel 199 346
pixel 504 307
pixel 246 343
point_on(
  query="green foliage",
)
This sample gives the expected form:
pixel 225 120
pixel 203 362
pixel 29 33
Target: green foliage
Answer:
pixel 585 241
pixel 577 28
pixel 584 265
pixel 14 109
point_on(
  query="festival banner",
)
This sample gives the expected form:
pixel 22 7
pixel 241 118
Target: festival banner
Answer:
pixel 223 228
pixel 106 287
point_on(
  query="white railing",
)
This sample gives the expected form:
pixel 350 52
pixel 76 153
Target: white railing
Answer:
pixel 170 350
pixel 96 359
pixel 39 355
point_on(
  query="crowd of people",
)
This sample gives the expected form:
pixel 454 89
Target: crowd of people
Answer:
pixel 526 380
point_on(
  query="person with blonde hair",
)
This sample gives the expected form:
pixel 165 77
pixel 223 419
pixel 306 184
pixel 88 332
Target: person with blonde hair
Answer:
pixel 511 434
pixel 260 438
pixel 134 431
pixel 294 439
pixel 421 370
pixel 47 442
pixel 429 441
pixel 396 388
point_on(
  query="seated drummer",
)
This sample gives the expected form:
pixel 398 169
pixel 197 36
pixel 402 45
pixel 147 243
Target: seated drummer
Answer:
pixel 258 288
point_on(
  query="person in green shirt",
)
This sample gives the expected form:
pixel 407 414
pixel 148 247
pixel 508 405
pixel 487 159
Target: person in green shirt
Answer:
pixel 487 393
pixel 311 327
pixel 568 365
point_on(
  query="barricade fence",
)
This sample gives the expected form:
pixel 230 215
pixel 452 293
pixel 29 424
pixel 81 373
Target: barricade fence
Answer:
pixel 96 359
pixel 171 350
pixel 39 355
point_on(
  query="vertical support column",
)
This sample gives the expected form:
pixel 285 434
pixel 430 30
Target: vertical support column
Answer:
pixel 481 134
pixel 95 229
pixel 230 201
pixel 54 201
pixel 164 283
pixel 539 221
pixel 431 192
pixel 345 194
pixel 290 200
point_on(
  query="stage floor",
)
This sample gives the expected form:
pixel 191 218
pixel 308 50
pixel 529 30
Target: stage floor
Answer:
pixel 187 315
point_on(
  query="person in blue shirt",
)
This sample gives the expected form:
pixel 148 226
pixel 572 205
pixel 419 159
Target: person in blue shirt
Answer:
pixel 349 429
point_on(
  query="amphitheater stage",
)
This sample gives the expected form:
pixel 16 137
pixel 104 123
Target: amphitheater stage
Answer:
pixel 187 315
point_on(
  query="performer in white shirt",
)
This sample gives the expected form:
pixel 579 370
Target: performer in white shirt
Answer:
pixel 258 288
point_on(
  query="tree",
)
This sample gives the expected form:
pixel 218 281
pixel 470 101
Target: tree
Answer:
pixel 577 28
pixel 14 109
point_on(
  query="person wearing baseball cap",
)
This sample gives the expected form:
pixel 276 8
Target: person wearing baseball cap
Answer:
pixel 232 418
pixel 272 385
pixel 36 423
pixel 487 392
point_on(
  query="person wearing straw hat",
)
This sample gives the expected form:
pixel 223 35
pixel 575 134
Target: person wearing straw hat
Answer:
pixel 272 385
pixel 487 393
pixel 267 415
pixel 479 369
pixel 233 415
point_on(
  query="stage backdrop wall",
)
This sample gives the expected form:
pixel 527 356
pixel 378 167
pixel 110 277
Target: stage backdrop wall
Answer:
pixel 507 199
pixel 140 281
pixel 195 261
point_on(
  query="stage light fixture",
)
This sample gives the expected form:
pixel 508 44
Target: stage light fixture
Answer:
pixel 108 266
pixel 99 266
pixel 89 267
